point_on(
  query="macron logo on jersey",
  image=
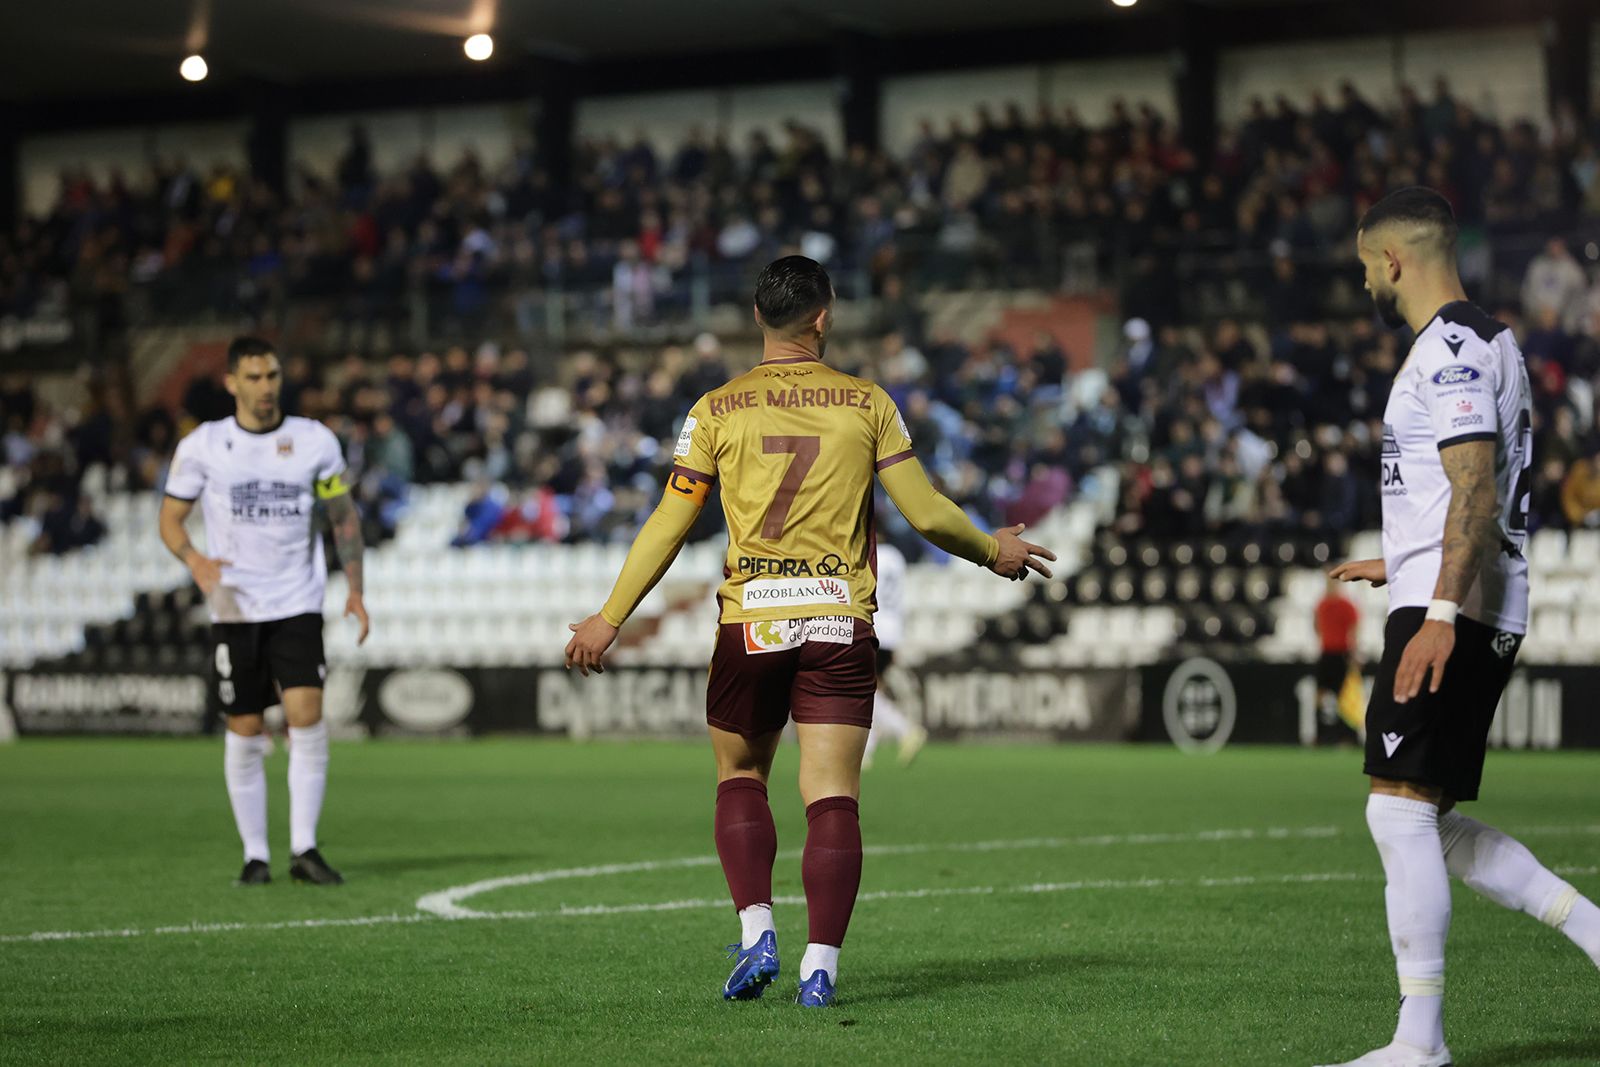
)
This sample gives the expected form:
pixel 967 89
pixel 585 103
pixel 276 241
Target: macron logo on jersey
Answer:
pixel 1456 374
pixel 1392 742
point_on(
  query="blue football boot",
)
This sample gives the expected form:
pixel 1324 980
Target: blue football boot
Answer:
pixel 757 966
pixel 816 991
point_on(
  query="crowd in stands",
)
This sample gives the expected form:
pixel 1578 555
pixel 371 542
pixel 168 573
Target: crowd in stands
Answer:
pixel 1253 428
pixel 1039 197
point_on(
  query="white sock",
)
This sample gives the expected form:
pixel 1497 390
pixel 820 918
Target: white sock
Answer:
pixel 886 714
pixel 1418 899
pixel 820 958
pixel 308 780
pixel 242 767
pixel 1502 869
pixel 1583 926
pixel 756 920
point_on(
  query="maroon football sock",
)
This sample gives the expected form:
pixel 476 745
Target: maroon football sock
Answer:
pixel 747 842
pixel 831 867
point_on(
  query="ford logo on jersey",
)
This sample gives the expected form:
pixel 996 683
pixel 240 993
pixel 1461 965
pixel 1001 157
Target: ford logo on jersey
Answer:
pixel 1456 374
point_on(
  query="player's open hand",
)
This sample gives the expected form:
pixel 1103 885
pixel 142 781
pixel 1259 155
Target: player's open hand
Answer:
pixel 590 640
pixel 1017 556
pixel 1425 656
pixel 354 605
pixel 207 572
pixel 1361 570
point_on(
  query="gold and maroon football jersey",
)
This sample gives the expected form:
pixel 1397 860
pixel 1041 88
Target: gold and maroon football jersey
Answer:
pixel 795 446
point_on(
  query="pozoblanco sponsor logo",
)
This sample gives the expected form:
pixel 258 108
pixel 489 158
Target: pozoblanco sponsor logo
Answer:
pixel 783 592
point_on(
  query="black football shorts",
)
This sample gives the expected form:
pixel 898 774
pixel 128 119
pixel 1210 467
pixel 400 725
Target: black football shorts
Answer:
pixel 252 661
pixel 1439 739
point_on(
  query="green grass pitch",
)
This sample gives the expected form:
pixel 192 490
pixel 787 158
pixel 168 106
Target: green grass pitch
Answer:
pixel 1056 905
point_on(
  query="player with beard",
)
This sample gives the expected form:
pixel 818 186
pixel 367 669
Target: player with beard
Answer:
pixel 1457 449
pixel 795 445
pixel 257 476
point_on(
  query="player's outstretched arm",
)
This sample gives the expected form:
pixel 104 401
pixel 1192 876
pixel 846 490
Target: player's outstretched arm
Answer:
pixel 937 518
pixel 345 520
pixel 653 551
pixel 174 513
pixel 1471 535
pixel 1361 570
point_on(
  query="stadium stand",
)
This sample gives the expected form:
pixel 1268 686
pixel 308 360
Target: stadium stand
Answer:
pixel 1196 477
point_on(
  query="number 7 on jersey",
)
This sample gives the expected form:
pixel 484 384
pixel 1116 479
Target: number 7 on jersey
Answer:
pixel 805 451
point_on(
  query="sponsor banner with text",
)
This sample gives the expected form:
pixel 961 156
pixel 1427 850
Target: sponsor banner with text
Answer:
pixel 1198 704
pixel 45 701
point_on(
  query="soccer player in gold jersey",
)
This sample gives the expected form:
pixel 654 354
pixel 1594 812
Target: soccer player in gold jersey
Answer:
pixel 796 445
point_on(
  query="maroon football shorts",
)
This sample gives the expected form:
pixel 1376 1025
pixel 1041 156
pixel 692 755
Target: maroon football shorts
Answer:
pixel 821 670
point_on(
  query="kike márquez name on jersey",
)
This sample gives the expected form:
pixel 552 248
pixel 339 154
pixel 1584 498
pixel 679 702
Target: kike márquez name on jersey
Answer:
pixel 1464 380
pixel 795 446
pixel 257 493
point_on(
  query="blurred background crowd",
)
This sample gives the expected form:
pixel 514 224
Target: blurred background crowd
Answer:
pixel 1244 396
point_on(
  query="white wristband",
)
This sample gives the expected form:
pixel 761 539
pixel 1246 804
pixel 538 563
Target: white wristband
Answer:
pixel 1443 611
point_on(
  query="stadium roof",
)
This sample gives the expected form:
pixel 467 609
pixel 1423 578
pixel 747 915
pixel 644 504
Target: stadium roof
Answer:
pixel 86 47
pixel 84 50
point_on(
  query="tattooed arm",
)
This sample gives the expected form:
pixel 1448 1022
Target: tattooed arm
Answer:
pixel 1471 525
pixel 345 521
pixel 1471 534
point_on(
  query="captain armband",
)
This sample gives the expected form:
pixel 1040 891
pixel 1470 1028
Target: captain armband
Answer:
pixel 690 485
pixel 332 486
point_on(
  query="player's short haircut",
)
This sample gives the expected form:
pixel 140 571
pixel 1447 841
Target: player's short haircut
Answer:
pixel 1423 212
pixel 792 289
pixel 244 348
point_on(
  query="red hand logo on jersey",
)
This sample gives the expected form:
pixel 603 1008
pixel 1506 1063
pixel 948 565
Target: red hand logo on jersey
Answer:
pixel 833 589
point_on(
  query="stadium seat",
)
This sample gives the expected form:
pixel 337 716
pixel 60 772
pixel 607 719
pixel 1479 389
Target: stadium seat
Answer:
pixel 1583 551
pixel 1548 552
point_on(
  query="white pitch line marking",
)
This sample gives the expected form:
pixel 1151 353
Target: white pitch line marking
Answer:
pixel 581 911
pixel 447 903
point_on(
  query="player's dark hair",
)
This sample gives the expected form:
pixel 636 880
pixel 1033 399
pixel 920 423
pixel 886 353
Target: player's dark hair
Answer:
pixel 244 348
pixel 792 289
pixel 1416 205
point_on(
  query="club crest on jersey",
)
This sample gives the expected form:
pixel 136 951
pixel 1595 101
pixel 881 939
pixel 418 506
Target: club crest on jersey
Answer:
pixel 1456 374
pixel 285 447
pixel 1504 644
